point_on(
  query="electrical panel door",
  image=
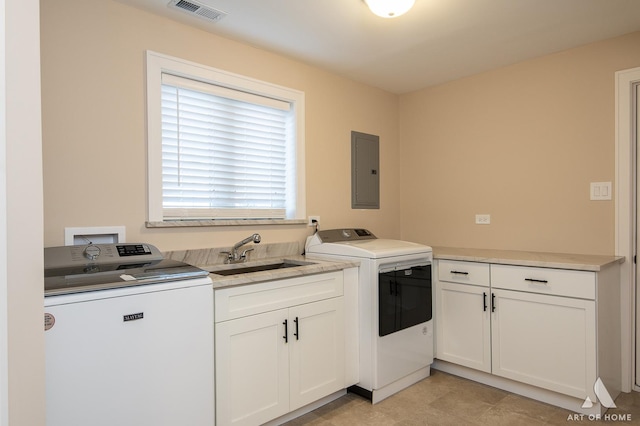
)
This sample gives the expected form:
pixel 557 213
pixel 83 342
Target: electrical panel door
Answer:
pixel 365 171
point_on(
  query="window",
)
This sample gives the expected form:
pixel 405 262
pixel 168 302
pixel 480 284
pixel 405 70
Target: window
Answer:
pixel 222 146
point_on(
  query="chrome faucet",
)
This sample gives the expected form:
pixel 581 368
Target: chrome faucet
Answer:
pixel 233 256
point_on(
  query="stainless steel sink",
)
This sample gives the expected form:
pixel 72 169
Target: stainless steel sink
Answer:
pixel 259 268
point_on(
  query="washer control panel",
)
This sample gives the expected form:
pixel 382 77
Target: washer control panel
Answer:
pixel 67 256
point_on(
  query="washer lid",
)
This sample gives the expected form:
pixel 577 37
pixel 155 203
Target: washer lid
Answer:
pixel 92 267
pixel 370 249
pixel 102 277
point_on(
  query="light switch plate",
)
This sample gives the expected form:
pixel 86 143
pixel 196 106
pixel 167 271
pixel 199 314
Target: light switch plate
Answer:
pixel 600 191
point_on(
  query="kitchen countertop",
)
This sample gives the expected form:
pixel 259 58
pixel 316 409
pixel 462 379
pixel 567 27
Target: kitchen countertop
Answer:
pixel 580 262
pixel 307 267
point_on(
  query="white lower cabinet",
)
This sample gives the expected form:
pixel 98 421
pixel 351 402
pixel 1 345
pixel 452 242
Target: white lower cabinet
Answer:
pixel 271 363
pixel 463 326
pixel 536 326
pixel 545 341
pixel 316 351
pixel 252 362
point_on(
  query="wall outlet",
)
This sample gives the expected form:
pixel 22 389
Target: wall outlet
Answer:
pixel 483 219
pixel 314 221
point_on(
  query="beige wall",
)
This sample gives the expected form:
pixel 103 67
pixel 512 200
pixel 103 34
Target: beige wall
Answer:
pixel 94 125
pixel 521 143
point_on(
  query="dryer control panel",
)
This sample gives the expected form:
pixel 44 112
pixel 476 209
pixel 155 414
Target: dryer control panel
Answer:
pixel 345 234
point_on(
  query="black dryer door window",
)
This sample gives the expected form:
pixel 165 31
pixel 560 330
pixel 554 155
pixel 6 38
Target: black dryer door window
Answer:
pixel 404 299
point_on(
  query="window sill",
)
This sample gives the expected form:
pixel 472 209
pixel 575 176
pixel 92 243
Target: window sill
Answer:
pixel 223 222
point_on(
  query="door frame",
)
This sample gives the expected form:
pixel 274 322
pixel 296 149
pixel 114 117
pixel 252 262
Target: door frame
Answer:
pixel 4 317
pixel 625 212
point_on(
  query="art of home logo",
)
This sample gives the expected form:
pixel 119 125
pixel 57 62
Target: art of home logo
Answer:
pixel 603 396
pixel 606 401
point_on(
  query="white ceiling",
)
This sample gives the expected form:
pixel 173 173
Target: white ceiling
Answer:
pixel 437 41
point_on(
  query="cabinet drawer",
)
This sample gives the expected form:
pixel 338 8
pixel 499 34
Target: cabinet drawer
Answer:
pixel 558 282
pixel 251 299
pixel 463 272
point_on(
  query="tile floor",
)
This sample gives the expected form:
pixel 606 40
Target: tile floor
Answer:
pixel 443 399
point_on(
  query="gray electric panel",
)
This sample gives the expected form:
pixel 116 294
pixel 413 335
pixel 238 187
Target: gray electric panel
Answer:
pixel 365 171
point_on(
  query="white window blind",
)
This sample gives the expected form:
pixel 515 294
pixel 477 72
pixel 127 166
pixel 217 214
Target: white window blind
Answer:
pixel 225 153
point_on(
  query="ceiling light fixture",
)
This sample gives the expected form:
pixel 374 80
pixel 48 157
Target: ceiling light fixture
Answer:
pixel 390 8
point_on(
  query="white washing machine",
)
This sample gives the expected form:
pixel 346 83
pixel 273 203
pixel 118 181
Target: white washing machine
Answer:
pixel 128 338
pixel 395 303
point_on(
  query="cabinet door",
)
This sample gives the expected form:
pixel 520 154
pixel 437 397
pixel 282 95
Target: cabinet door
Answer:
pixel 316 337
pixel 463 327
pixel 252 369
pixel 545 341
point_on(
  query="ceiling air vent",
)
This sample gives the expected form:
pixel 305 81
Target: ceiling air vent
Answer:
pixel 198 9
